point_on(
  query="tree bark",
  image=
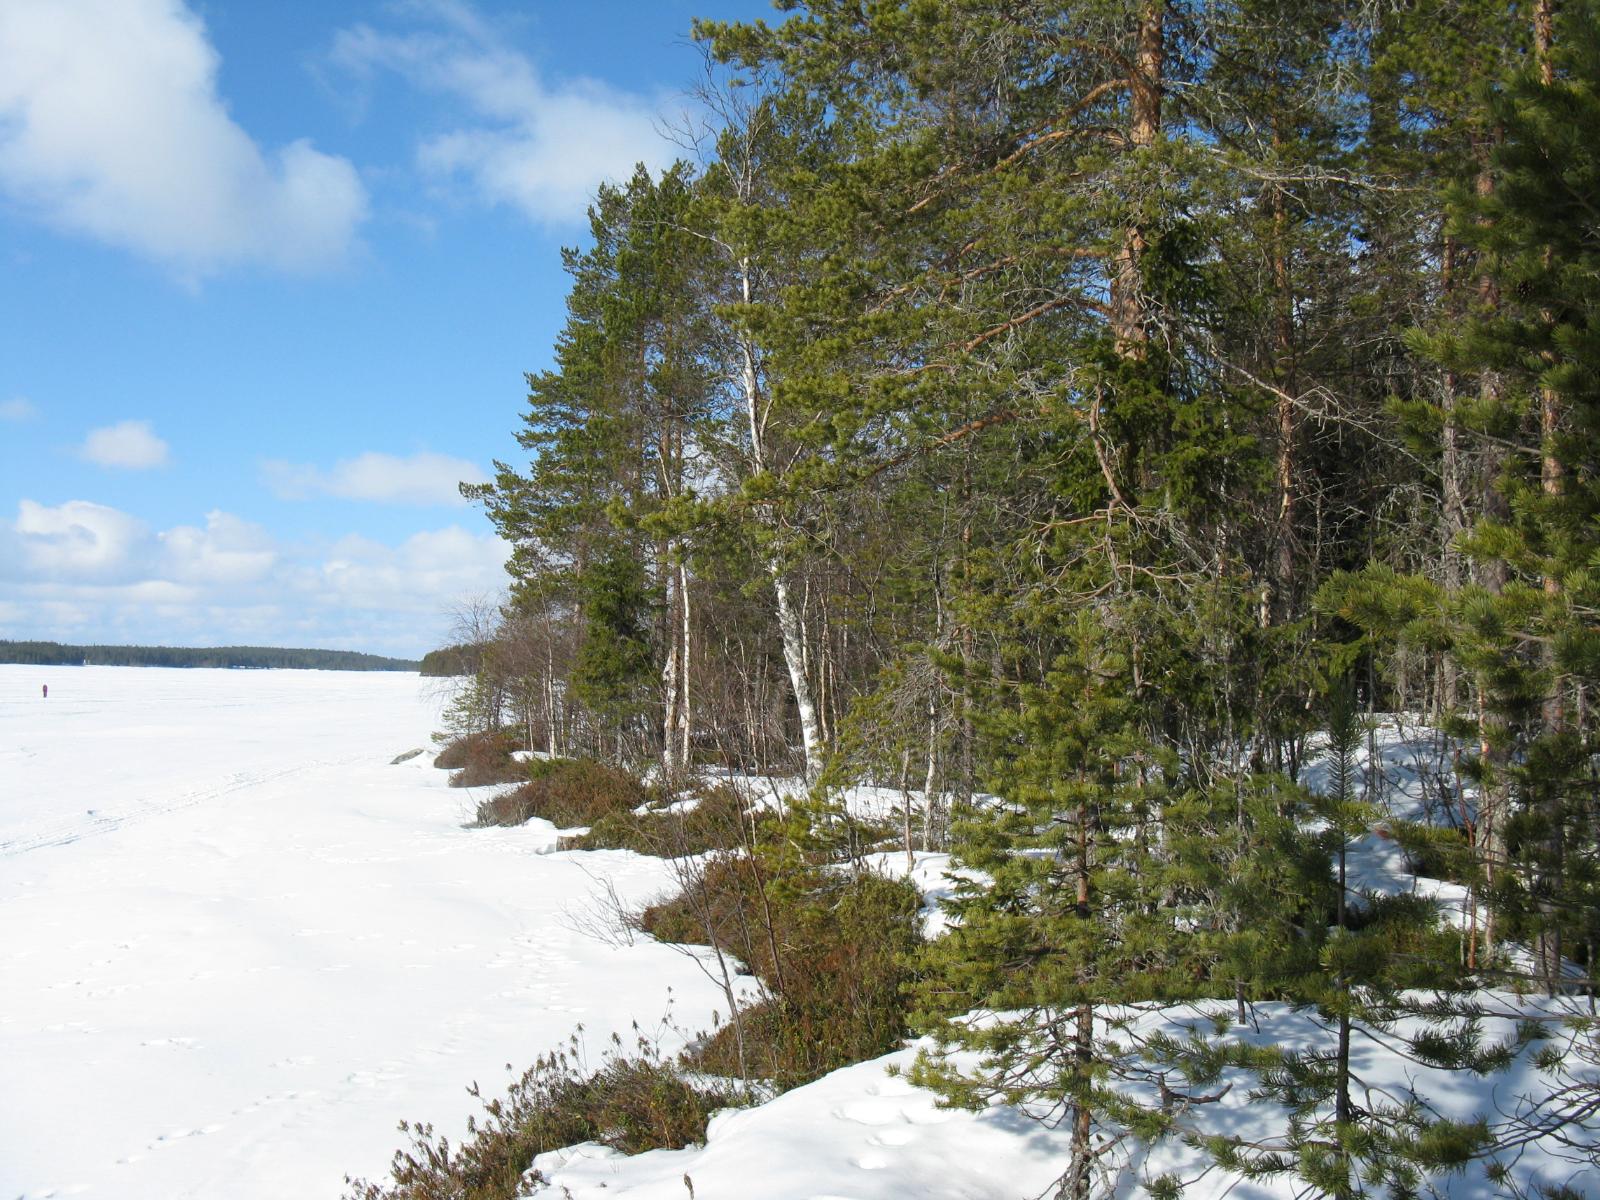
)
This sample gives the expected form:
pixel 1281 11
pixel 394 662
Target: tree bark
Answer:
pixel 1453 517
pixel 790 630
pixel 794 657
pixel 1490 574
pixel 669 680
pixel 1283 336
pixel 685 706
pixel 1552 481
pixel 1128 323
pixel 1076 1185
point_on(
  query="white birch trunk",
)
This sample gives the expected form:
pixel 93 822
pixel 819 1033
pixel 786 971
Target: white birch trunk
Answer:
pixel 790 628
pixel 669 685
pixel 794 657
pixel 685 710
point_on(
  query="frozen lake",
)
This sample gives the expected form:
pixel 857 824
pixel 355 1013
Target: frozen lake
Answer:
pixel 237 945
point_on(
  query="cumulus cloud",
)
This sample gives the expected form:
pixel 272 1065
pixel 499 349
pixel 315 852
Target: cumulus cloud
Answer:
pixel 111 125
pixel 129 444
pixel 432 564
pixel 227 550
pixel 421 478
pixel 82 571
pixel 77 541
pixel 536 146
pixel 17 409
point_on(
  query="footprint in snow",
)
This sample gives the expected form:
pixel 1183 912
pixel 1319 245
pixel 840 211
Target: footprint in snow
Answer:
pixel 892 1137
pixel 871 1112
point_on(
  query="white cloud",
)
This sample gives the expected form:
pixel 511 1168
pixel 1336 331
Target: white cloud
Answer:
pixel 538 147
pixel 17 409
pixel 440 563
pixel 130 444
pixel 77 540
pixel 227 550
pixel 421 478
pixel 81 571
pixel 111 126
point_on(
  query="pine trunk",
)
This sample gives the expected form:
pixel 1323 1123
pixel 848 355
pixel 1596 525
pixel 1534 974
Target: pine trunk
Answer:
pixel 1552 480
pixel 1491 576
pixel 1128 318
pixel 1283 338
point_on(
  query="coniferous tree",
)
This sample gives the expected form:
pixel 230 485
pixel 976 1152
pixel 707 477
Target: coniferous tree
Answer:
pixel 1000 397
pixel 1388 974
pixel 1532 642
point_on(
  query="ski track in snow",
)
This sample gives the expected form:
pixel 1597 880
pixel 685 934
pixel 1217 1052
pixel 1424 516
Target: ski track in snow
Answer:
pixel 238 944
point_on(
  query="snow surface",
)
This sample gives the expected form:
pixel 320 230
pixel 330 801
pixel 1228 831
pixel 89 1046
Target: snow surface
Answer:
pixel 865 1133
pixel 861 1133
pixel 237 945
pixel 238 942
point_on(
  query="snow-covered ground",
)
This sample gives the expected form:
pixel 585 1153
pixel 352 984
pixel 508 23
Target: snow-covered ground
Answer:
pixel 237 945
pixel 865 1133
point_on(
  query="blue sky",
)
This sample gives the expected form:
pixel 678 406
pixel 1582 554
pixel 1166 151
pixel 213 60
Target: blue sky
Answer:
pixel 272 274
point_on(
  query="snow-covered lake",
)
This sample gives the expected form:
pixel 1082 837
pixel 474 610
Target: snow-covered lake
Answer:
pixel 237 944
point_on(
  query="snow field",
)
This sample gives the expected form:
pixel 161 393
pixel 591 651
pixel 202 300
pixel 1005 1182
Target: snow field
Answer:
pixel 861 1133
pixel 237 945
pixel 865 1133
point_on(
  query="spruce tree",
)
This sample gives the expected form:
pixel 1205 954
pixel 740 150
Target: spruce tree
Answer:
pixel 612 433
pixel 613 673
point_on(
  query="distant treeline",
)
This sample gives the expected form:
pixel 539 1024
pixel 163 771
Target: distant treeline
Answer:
pixel 463 659
pixel 257 657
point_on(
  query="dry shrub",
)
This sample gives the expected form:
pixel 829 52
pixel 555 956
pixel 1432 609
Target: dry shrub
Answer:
pixel 454 756
pixel 631 1104
pixel 833 948
pixel 720 820
pixel 720 901
pixel 565 792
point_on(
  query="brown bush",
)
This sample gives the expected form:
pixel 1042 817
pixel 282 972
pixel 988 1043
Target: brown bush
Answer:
pixel 719 821
pixel 489 768
pixel 478 748
pixel 721 899
pixel 631 1104
pixel 565 792
pixel 833 948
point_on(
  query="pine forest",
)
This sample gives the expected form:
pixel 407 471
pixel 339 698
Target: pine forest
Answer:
pixel 1102 429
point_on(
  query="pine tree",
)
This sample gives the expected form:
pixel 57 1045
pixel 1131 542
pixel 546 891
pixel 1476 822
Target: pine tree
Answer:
pixel 1068 918
pixel 1390 974
pixel 1540 237
pixel 612 433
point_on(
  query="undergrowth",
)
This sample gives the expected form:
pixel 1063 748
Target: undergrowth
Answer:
pixel 565 792
pixel 483 760
pixel 710 818
pixel 833 950
pixel 632 1103
pixel 830 945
